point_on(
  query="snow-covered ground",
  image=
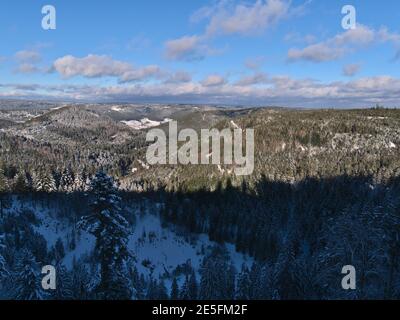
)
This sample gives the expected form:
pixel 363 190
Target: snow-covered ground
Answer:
pixel 234 125
pixel 156 248
pixel 116 108
pixel 166 249
pixel 145 123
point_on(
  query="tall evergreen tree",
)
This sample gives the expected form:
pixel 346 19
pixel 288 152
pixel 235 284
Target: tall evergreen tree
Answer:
pixel 174 290
pixel 193 286
pixel 162 291
pixel 243 286
pixel 64 287
pixel 20 182
pixel 110 229
pixel 138 283
pixel 79 182
pixel 4 188
pixel 152 289
pixel 66 181
pixel 59 250
pixel 81 281
pixel 217 276
pixel 44 182
pixel 3 268
pixel 185 294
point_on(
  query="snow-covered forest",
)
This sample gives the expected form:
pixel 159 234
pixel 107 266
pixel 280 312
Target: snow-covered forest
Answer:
pixel 324 194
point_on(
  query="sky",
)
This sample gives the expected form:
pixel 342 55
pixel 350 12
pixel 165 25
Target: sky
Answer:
pixel 264 52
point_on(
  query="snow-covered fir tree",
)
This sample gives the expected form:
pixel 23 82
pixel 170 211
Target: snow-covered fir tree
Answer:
pixel 79 183
pixel 3 267
pixel 64 284
pixel 110 228
pixel 28 278
pixel 4 188
pixel 43 181
pixel 3 181
pixel 66 181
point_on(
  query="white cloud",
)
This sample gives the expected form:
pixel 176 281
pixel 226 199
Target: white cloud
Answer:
pixel 254 63
pixel 316 53
pixel 179 77
pixel 188 48
pixel 351 70
pixel 152 71
pixel 343 43
pixel 255 79
pixel 360 36
pixel 27 61
pixel 213 80
pixel 27 68
pixel 227 18
pixel 185 48
pixel 297 37
pixel 91 66
pixel 28 56
pixel 97 66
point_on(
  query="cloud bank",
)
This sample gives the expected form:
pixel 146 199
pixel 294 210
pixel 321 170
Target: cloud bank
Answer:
pixel 276 90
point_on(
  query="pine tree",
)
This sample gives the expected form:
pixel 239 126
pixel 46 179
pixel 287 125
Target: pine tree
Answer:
pixel 27 279
pixel 4 188
pixel 152 289
pixel 217 276
pixel 64 288
pixel 174 290
pixel 59 250
pixel 185 294
pixel 110 229
pixel 162 291
pixel 79 184
pixel 138 283
pixel 66 181
pixel 20 182
pixel 3 267
pixel 190 287
pixel 44 182
pixel 230 282
pixel 193 286
pixel 243 287
pixel 81 282
pixel 4 271
pixel 141 289
pixel 255 283
pixel 3 181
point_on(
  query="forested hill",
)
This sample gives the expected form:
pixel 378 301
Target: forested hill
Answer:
pixel 290 145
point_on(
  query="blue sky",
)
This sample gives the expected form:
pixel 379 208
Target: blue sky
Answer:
pixel 263 52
